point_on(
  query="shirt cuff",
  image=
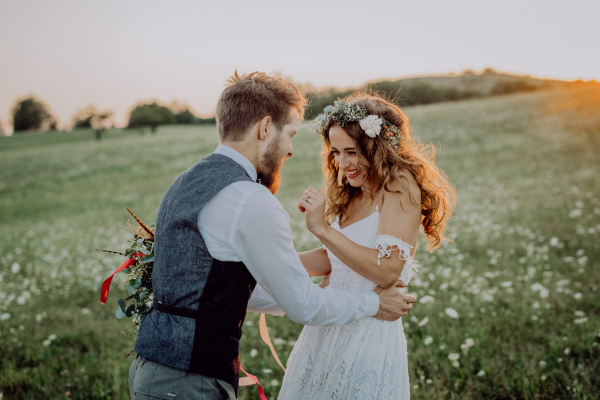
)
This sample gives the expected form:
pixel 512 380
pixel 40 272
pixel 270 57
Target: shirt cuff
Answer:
pixel 372 306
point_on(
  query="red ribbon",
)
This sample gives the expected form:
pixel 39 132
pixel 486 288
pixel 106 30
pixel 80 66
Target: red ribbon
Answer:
pixel 261 392
pixel 106 285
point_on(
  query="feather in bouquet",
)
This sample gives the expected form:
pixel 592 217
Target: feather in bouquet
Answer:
pixel 138 275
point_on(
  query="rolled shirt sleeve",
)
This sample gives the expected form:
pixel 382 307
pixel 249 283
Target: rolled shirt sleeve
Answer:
pixel 262 238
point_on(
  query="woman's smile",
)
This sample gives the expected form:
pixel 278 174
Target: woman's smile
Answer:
pixel 352 174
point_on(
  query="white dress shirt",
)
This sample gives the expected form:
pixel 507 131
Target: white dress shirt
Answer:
pixel 245 222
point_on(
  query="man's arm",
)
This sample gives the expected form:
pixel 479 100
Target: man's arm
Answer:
pixel 315 262
pixel 262 302
pixel 263 240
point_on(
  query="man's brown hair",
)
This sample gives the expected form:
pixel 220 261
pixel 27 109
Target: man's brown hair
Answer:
pixel 248 98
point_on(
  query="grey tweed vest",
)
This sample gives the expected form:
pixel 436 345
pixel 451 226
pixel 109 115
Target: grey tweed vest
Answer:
pixel 200 303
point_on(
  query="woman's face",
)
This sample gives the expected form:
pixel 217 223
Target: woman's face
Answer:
pixel 344 152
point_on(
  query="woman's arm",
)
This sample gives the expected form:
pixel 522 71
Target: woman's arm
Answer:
pixel 400 217
pixel 316 262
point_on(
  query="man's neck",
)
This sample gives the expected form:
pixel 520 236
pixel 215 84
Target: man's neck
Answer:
pixel 246 149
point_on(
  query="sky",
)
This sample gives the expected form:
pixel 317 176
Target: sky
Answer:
pixel 114 54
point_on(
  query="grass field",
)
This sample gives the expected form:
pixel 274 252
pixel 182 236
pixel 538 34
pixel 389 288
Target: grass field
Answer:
pixel 522 274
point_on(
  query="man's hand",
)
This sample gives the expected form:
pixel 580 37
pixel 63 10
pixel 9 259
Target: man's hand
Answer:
pixel 325 282
pixel 393 304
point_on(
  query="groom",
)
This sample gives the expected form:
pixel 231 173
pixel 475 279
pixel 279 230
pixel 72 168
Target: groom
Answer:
pixel 218 233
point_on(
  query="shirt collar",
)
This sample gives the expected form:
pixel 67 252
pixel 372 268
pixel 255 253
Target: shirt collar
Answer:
pixel 238 158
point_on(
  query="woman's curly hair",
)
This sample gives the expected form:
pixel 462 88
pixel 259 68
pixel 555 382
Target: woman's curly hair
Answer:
pixel 382 164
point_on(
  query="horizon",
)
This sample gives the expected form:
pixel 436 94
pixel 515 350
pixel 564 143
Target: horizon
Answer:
pixel 116 55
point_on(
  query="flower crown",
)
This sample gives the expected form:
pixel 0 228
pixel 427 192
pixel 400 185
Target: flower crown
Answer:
pixel 343 113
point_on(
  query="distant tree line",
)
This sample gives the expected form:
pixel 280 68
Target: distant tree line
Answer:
pixel 151 115
pixel 33 114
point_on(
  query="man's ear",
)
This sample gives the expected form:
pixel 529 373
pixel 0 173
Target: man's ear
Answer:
pixel 264 127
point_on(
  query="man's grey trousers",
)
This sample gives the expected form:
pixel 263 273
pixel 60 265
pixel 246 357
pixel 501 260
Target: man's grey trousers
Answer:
pixel 150 380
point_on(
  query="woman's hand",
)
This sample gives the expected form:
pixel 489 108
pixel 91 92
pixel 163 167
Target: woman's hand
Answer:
pixel 313 204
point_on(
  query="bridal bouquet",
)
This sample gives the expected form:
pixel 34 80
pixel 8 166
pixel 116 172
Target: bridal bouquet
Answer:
pixel 138 275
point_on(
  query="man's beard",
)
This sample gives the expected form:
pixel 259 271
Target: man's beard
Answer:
pixel 269 170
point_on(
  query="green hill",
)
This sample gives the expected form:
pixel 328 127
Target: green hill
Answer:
pixel 435 89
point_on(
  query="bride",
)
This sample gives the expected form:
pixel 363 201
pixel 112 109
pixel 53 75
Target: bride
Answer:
pixel 380 187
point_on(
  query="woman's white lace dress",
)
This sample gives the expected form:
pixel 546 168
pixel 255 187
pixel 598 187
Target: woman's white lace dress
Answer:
pixel 363 360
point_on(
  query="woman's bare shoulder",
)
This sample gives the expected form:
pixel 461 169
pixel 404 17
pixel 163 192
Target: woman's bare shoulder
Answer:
pixel 403 187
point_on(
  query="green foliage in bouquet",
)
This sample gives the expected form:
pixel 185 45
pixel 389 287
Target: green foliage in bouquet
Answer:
pixel 138 276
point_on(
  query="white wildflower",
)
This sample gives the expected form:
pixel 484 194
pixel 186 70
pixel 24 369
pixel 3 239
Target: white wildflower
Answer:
pixel 253 353
pixel 46 343
pixel 428 340
pixel 4 316
pixel 537 287
pixel 267 370
pixel 567 351
pixel 481 373
pixel 554 242
pixel 580 320
pixel 451 312
pixel 488 297
pixel 577 296
pixel 492 275
pixel 15 268
pixel 542 363
pixel 575 213
pixel 371 125
pixel 453 356
pixel 423 321
pixel 274 382
pixel 278 341
pixel 426 299
pixel 506 284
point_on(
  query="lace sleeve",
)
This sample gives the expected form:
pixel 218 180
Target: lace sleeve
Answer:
pixel 386 244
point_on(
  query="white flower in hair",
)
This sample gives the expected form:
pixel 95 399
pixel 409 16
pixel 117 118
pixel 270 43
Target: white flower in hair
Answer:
pixel 371 125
